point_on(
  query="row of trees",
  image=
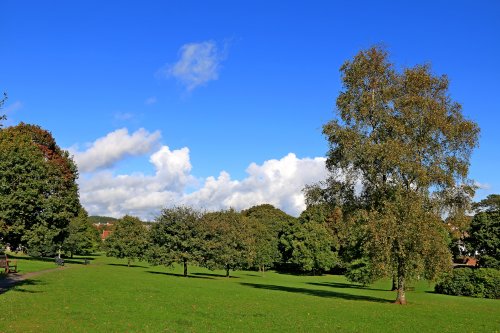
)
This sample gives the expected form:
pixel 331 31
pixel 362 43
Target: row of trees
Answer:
pixel 258 238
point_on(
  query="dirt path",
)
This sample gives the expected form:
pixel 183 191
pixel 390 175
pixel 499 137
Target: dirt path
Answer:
pixel 11 279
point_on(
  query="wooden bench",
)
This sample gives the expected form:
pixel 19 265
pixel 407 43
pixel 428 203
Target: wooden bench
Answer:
pixel 10 266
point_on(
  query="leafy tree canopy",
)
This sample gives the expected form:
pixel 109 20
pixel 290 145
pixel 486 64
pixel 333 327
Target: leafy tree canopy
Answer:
pixel 83 237
pixel 129 239
pixel 484 238
pixel 38 187
pixel 176 237
pixel 399 152
pixel 313 245
pixel 227 239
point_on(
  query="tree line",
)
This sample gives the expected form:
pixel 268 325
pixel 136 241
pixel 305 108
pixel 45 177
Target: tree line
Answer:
pixel 261 237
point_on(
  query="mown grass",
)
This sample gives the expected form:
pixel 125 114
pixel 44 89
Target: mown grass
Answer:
pixel 108 296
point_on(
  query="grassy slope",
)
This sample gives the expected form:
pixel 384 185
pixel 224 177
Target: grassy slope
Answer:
pixel 107 296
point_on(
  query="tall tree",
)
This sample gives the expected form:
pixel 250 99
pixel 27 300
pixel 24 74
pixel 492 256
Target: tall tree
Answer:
pixel 405 142
pixel 38 187
pixel 226 240
pixel 129 240
pixel 176 237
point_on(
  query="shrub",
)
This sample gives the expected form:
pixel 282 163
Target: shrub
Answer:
pixel 482 283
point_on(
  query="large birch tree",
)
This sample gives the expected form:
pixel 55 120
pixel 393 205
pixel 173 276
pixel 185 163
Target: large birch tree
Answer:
pixel 399 154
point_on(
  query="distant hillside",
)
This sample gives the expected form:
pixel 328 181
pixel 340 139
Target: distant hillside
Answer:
pixel 102 219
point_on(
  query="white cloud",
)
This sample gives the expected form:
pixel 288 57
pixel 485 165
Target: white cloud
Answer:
pixel 278 182
pixel 106 151
pixel 106 194
pixel 199 63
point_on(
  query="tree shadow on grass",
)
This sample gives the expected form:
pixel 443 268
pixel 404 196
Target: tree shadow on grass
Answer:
pixel 215 275
pixel 194 276
pixel 125 265
pixel 17 286
pixel 319 293
pixel 341 285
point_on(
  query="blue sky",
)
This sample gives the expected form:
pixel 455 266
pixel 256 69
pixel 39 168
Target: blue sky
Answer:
pixel 114 82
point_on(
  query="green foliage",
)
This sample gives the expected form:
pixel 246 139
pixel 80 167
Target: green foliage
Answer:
pixel 176 237
pixel 263 244
pixel 268 225
pixel 83 237
pixel 360 271
pixel 37 186
pixel 39 240
pixel 313 247
pixel 405 141
pixel 128 239
pixel 227 239
pixel 484 238
pixel 482 283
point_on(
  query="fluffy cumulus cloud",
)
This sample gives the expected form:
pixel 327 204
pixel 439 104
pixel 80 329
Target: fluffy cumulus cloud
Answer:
pixel 198 64
pixel 278 182
pixel 104 193
pixel 106 151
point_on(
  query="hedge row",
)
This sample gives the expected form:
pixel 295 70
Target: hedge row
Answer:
pixel 482 283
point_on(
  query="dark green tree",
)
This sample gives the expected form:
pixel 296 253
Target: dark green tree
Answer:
pixel 399 150
pixel 263 251
pixel 39 240
pixel 176 237
pixel 484 233
pixel 227 239
pixel 83 237
pixel 38 187
pixel 268 225
pixel 129 240
pixel 312 244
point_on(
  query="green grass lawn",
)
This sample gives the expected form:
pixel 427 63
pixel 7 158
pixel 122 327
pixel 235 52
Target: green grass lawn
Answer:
pixel 108 296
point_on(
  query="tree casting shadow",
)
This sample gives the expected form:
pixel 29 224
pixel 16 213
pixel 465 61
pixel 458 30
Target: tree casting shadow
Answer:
pixel 194 276
pixel 319 293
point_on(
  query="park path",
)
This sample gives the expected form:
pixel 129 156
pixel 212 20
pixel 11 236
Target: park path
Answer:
pixel 12 279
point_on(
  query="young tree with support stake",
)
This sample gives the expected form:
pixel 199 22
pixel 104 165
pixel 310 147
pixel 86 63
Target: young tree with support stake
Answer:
pixel 401 136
